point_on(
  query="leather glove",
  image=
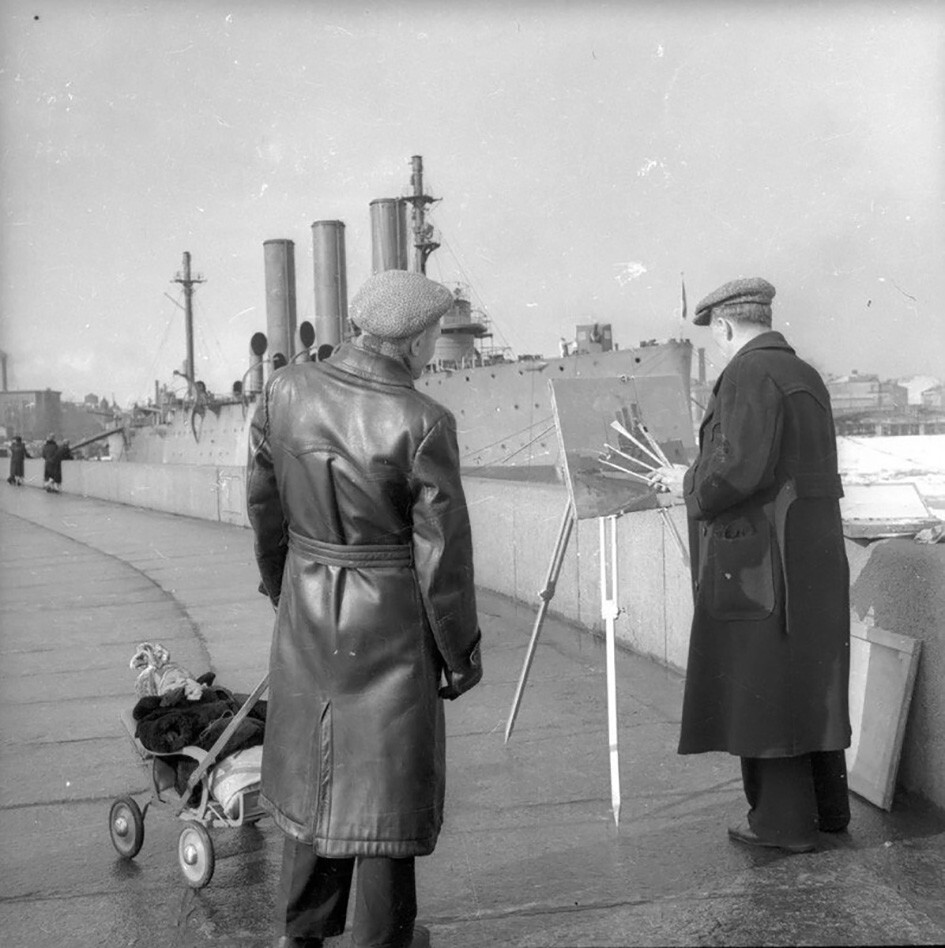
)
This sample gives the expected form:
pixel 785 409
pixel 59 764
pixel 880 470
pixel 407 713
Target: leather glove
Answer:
pixel 273 599
pixel 460 681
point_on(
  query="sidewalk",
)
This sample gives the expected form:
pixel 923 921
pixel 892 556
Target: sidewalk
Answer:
pixel 529 855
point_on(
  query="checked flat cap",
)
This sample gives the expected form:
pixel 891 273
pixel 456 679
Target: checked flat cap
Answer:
pixel 749 290
pixel 394 304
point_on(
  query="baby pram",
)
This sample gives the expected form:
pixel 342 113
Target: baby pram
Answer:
pixel 194 802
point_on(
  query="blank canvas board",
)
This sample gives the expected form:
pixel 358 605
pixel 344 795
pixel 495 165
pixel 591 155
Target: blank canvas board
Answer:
pixel 884 510
pixel 882 675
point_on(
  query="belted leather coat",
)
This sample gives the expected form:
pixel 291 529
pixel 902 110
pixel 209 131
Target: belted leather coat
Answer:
pixel 363 542
pixel 768 665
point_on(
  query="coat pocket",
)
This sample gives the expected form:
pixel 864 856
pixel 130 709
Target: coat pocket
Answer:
pixel 737 580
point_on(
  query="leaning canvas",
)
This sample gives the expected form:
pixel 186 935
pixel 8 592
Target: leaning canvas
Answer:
pixel 882 676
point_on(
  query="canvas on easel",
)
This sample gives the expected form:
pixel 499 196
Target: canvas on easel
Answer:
pixel 604 427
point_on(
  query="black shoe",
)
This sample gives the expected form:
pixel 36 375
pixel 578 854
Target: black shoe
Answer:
pixel 296 941
pixel 743 833
pixel 421 937
pixel 834 827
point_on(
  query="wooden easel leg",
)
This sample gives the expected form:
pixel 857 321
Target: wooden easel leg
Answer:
pixel 546 594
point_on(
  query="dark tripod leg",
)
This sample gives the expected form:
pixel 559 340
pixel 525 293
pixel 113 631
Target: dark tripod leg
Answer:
pixel 554 568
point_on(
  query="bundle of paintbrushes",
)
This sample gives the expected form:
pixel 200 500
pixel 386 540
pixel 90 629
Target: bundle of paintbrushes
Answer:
pixel 655 458
pixel 650 460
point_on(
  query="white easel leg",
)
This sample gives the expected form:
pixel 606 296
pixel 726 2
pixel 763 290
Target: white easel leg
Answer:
pixel 609 610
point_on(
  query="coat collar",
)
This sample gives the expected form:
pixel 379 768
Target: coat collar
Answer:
pixel 765 340
pixel 370 365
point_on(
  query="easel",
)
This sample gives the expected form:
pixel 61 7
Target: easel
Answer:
pixel 610 598
pixel 609 612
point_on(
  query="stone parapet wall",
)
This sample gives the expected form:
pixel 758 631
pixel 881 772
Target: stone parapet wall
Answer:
pixel 515 526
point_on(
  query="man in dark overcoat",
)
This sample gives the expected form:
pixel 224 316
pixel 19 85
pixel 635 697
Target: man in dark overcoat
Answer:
pixel 768 667
pixel 363 544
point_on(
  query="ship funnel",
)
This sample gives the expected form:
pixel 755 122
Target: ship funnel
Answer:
pixel 331 282
pixel 279 258
pixel 254 377
pixel 388 234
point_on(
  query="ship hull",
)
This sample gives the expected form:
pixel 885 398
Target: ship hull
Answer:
pixel 220 436
pixel 503 412
pixel 505 423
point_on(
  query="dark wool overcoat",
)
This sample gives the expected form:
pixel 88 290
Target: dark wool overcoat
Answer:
pixel 769 652
pixel 363 541
pixel 51 468
pixel 17 454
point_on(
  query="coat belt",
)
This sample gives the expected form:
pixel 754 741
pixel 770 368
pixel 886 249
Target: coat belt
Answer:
pixel 352 556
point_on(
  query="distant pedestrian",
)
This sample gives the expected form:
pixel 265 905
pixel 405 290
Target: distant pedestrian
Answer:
pixel 64 453
pixel 17 453
pixel 50 466
pixel 769 653
pixel 363 543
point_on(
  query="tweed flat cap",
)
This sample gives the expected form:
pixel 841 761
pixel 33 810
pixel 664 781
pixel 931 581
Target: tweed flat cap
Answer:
pixel 749 290
pixel 394 304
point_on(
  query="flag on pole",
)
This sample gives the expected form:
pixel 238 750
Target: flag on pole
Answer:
pixel 682 281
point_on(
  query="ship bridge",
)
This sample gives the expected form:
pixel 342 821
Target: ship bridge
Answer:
pixel 456 347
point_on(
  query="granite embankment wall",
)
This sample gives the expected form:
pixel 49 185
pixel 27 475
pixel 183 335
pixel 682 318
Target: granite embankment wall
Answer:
pixel 515 526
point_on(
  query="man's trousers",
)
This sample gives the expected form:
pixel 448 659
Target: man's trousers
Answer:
pixel 313 897
pixel 792 797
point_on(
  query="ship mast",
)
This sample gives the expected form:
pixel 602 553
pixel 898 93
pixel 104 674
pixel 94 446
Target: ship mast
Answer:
pixel 423 242
pixel 187 282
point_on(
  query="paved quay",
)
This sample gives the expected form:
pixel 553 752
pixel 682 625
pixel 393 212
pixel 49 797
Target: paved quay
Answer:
pixel 529 855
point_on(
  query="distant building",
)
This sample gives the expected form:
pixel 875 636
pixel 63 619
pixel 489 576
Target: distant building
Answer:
pixel 934 397
pixel 35 413
pixel 32 414
pixel 856 393
pixel 917 384
pixel 864 406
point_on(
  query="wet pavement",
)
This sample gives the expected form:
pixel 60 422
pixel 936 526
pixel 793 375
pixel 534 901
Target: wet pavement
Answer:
pixel 529 855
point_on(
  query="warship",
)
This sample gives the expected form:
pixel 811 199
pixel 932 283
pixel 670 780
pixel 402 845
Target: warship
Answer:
pixel 502 404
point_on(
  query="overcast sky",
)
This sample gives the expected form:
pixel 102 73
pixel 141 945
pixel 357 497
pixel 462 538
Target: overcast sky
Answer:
pixel 586 154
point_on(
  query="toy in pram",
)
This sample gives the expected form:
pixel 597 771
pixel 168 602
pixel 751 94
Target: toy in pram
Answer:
pixel 217 793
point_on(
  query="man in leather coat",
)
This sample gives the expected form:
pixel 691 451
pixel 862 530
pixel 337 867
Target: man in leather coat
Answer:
pixel 364 546
pixel 768 669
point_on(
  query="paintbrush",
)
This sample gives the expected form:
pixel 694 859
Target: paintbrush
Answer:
pixel 630 457
pixel 654 444
pixel 623 470
pixel 619 427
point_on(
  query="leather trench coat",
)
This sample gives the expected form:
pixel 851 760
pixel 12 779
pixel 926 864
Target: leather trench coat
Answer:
pixel 363 542
pixel 768 664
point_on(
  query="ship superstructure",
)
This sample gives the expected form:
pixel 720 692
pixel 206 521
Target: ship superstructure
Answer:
pixel 502 405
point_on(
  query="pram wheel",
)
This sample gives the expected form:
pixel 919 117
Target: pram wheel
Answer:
pixel 126 827
pixel 195 854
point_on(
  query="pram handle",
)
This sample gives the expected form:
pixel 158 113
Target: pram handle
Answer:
pixel 211 756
